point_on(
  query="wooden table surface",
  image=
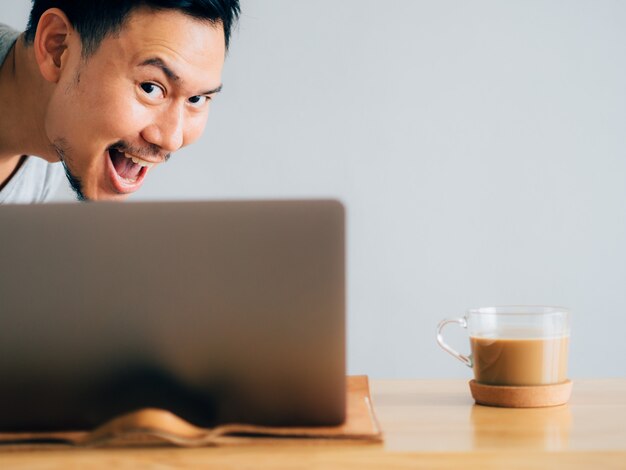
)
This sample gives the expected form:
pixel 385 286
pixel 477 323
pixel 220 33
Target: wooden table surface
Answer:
pixel 427 423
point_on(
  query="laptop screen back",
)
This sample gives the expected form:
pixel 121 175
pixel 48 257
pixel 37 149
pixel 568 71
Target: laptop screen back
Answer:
pixel 217 311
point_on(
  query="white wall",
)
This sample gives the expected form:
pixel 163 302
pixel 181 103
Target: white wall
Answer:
pixel 479 146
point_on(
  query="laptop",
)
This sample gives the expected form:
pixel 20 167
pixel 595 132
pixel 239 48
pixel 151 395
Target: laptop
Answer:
pixel 219 311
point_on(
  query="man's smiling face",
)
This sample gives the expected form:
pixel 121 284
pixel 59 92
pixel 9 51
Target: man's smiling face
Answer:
pixel 142 95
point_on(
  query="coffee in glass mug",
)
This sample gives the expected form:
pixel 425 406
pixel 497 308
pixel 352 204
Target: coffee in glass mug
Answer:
pixel 515 345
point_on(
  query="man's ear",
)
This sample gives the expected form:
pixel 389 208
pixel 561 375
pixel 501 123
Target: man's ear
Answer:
pixel 51 42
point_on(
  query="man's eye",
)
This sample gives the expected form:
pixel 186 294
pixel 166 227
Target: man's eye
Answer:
pixel 198 101
pixel 152 90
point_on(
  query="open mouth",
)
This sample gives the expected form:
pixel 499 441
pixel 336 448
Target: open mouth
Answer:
pixel 126 171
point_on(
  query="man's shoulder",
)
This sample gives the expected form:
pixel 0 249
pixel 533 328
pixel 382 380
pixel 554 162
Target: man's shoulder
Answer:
pixel 8 36
pixel 35 181
pixel 5 27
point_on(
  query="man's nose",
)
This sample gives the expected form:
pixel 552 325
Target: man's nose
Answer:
pixel 167 130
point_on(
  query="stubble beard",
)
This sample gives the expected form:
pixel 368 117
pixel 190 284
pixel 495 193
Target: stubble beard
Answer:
pixel 62 149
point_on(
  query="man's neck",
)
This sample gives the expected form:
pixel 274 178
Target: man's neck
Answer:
pixel 24 96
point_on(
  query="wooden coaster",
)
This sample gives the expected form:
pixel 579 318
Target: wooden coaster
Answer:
pixel 531 396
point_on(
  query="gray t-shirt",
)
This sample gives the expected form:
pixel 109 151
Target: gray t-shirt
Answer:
pixel 36 180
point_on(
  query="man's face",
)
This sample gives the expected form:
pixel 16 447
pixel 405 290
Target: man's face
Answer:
pixel 139 97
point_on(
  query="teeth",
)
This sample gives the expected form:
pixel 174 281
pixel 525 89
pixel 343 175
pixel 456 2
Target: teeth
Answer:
pixel 139 161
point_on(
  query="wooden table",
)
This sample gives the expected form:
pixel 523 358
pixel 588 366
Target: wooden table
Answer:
pixel 428 424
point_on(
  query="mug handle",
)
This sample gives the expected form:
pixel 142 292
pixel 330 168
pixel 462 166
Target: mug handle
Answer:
pixel 467 360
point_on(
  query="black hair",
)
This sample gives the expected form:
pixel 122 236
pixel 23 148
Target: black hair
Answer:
pixel 95 19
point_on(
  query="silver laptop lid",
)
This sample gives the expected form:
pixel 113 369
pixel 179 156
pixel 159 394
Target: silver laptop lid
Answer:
pixel 218 311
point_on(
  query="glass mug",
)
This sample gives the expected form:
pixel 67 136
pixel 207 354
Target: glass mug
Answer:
pixel 515 345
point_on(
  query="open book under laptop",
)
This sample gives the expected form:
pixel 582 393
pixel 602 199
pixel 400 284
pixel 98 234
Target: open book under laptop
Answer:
pixel 227 311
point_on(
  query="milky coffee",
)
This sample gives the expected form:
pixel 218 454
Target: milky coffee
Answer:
pixel 520 361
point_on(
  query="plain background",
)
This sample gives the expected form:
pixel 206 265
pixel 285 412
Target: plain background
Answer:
pixel 479 147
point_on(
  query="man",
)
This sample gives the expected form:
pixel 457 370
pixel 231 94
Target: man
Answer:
pixel 108 88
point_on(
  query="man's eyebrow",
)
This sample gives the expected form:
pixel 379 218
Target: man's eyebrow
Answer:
pixel 158 62
pixel 210 92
